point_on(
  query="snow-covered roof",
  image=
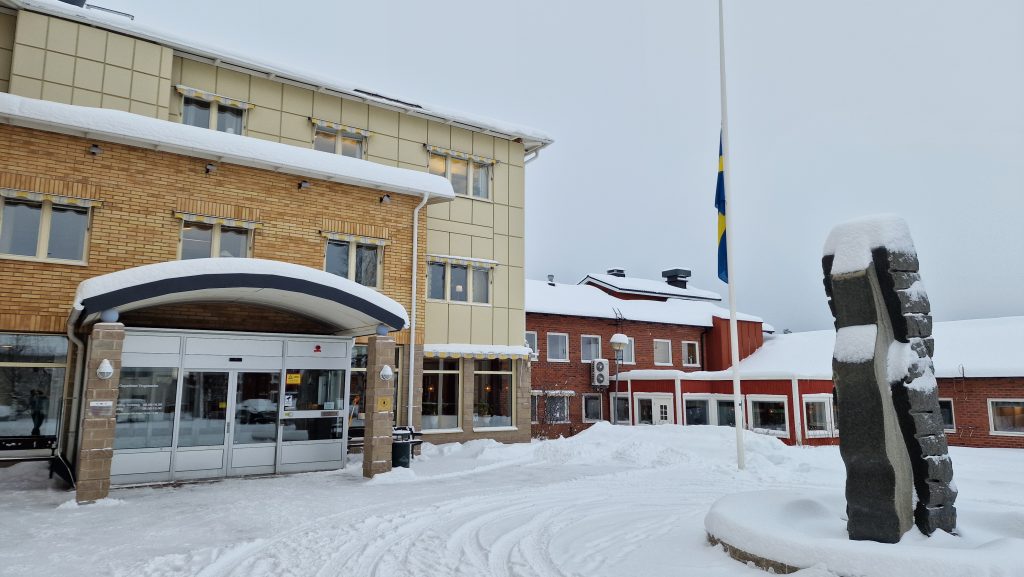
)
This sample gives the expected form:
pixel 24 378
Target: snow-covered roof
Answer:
pixel 349 307
pixel 459 350
pixel 649 287
pixel 584 300
pixel 132 129
pixel 187 46
pixel 980 347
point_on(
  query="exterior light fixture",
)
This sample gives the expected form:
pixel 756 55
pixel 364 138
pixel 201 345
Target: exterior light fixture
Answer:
pixel 387 373
pixel 211 168
pixel 95 149
pixel 386 199
pixel 619 343
pixel 303 184
pixel 105 370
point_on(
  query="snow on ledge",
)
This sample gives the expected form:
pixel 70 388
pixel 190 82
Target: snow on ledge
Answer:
pixel 165 136
pixel 852 242
pixel 460 350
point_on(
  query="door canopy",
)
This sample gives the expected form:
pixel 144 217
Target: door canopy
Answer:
pixel 351 309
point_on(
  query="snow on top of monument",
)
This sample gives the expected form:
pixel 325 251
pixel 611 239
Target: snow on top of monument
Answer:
pixel 853 241
pixel 135 130
pixel 855 344
pixel 590 301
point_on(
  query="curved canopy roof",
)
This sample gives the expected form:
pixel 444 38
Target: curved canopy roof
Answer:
pixel 349 308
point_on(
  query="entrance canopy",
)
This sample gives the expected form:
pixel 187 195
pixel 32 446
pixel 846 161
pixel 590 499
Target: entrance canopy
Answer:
pixel 351 309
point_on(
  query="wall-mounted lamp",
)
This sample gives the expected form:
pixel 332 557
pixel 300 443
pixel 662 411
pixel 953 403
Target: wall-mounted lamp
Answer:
pixel 387 373
pixel 105 370
pixel 95 149
pixel 304 184
pixel 386 199
pixel 211 168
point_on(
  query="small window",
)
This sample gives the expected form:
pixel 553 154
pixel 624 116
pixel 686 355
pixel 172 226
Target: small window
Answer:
pixel 691 354
pixel 459 175
pixel 697 412
pixel 229 120
pixel 441 394
pixel 366 264
pixel 819 418
pixel 354 261
pixel 200 240
pixel 438 165
pixel 590 346
pixel 43 230
pixel 196 113
pixel 622 410
pixel 435 280
pixel 556 409
pixel 769 416
pixel 333 142
pixel 629 353
pixel 463 283
pixel 1007 416
pixel 467 178
pixel 533 408
pixel 212 115
pixel 662 352
pixel 325 141
pixel 558 347
pixel 494 395
pixel 481 285
pixel 351 145
pixel 948 421
pixel 481 180
pixel 459 285
pixel 337 257
pixel 531 341
pixel 591 408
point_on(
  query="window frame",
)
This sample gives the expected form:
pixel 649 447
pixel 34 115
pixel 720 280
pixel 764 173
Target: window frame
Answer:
pixel 536 346
pixel 696 346
pixel 214 109
pixel 784 399
pixel 613 399
pixel 632 352
pixel 600 407
pixel 547 413
pixel 583 348
pixel 43 232
pixel 655 352
pixel 513 411
pixel 712 409
pixel 535 407
pixel 991 421
pixel 67 366
pixel 548 347
pixel 470 291
pixel 952 411
pixel 338 136
pixel 831 424
pixel 473 166
pixel 460 413
pixel 353 262
pixel 215 239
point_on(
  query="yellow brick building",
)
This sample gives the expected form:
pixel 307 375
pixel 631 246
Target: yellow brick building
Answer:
pixel 125 197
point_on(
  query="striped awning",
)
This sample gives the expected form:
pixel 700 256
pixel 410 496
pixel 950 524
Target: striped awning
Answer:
pixel 462 155
pixel 468 355
pixel 462 260
pixel 211 97
pixel 481 352
pixel 343 128
pixel 54 198
pixel 209 219
pixel 355 238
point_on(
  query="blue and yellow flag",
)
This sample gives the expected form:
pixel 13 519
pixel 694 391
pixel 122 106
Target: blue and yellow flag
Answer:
pixel 723 257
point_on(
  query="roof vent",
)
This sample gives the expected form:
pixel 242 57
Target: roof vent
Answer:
pixel 551 279
pixel 619 272
pixel 676 277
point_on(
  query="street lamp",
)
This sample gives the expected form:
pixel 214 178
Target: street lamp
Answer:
pixel 619 344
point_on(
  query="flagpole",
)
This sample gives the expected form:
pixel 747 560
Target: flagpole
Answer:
pixel 734 344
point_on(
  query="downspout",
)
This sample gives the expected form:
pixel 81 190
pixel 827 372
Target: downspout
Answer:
pixel 412 319
pixel 76 380
pixel 536 153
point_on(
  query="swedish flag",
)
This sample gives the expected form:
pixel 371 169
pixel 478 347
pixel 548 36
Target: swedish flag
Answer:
pixel 723 257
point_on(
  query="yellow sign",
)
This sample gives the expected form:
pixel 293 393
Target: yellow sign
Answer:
pixel 383 404
pixel 293 379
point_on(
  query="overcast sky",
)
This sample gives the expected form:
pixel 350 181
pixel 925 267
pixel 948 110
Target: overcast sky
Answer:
pixel 837 110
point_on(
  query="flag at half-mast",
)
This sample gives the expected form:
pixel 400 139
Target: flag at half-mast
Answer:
pixel 723 257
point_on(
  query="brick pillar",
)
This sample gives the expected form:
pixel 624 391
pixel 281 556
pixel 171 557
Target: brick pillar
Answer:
pixel 100 400
pixel 380 395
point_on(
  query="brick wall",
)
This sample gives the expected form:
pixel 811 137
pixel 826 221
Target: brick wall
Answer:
pixel 970 409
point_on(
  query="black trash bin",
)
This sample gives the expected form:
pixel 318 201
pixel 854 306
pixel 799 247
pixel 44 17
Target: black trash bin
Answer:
pixel 401 449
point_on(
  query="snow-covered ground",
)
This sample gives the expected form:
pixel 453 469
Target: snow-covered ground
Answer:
pixel 610 501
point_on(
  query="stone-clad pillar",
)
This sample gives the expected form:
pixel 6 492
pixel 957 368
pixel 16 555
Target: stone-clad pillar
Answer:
pixel 100 401
pixel 380 395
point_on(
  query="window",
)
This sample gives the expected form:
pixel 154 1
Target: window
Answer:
pixel 213 115
pixel 558 347
pixel 662 352
pixel 200 240
pixel 146 401
pixel 357 384
pixel 32 371
pixel 1006 416
pixel 709 409
pixel 493 395
pixel 590 346
pixel 556 409
pixel 534 402
pixel 621 405
pixel 43 230
pixel 768 415
pixel 948 420
pixel 592 408
pixel 697 412
pixel 531 341
pixel 819 418
pixel 468 178
pixel 629 353
pixel 464 283
pixel 354 261
pixel 338 142
pixel 441 378
pixel 691 354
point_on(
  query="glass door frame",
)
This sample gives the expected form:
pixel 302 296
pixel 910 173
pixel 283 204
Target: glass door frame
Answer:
pixel 176 439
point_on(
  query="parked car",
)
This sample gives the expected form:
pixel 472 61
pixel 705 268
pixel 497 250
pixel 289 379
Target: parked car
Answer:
pixel 256 411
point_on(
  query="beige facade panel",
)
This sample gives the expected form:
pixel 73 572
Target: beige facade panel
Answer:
pixel 382 146
pixel 383 121
pixel 516 186
pixel 8 24
pixel 439 134
pixel 82 97
pixel 459 227
pixel 145 88
pixel 462 140
pixel 233 84
pixel 88 75
pixel 27 87
pixel 483 145
pixel 297 127
pixel 297 100
pixel 116 103
pixel 31 29
pixel 500 335
pixel 516 327
pixel 515 153
pixel 500 287
pixel 28 61
pixel 148 58
pixel 143 109
pixel 516 251
pixel 500 189
pixel 265 120
pixel 436 323
pixel 412 128
pixel 501 150
pixel 355 114
pixel 516 287
pixel 92 43
pixel 120 50
pixel 482 248
pixel 198 75
pixel 265 93
pixel 460 244
pixel 501 249
pixel 483 213
pixel 384 161
pixel 326 107
pixel 412 152
pixel 500 219
pixel 516 221
pixel 163 95
pixel 62 36
pixel 460 324
pixel 437 243
pixel 59 68
pixel 56 92
pixel 483 325
pixel 440 211
pixel 408 166
pixel 263 136
pixel 461 210
pixel 117 81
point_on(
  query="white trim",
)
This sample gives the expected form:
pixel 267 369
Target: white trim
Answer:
pixel 548 348
pixel 495 429
pixel 600 407
pixel 751 399
pixel 655 351
pixel 952 410
pixel 661 398
pixel 441 431
pixel 696 345
pixel 632 351
pixel 547 413
pixel 708 398
pixel 628 396
pixel 534 407
pixel 589 361
pixel 831 430
pixel 992 424
pixel 43 230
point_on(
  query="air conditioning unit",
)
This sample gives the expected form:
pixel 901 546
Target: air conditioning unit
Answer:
pixel 599 372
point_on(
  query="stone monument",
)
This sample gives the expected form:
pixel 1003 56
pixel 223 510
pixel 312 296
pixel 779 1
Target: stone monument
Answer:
pixel 891 430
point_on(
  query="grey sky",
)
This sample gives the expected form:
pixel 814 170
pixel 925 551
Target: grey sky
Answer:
pixel 837 110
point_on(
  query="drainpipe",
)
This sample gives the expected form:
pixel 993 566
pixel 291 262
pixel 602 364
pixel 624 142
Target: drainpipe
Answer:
pixel 412 319
pixel 536 153
pixel 75 409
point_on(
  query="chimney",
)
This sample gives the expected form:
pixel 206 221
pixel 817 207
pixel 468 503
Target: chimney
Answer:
pixel 676 277
pixel 551 279
pixel 619 272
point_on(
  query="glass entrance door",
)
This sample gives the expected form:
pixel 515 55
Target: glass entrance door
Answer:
pixel 255 422
pixel 202 423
